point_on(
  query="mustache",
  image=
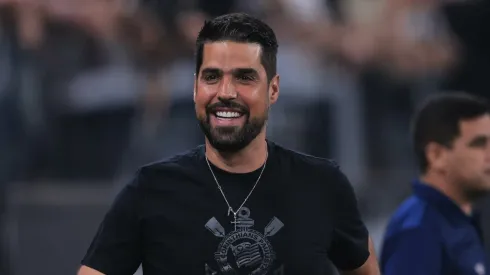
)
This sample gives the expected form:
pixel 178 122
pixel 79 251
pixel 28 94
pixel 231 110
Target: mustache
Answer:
pixel 226 104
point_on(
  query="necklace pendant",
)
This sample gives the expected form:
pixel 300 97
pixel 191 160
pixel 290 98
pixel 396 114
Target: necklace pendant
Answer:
pixel 235 221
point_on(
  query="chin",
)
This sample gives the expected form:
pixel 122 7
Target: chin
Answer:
pixel 226 129
pixel 228 146
pixel 231 138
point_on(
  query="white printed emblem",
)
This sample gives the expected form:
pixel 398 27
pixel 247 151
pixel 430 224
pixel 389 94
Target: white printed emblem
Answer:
pixel 244 249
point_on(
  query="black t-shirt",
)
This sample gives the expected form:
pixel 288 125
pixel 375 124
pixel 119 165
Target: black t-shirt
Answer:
pixel 172 219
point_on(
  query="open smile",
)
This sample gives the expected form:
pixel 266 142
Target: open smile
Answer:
pixel 227 117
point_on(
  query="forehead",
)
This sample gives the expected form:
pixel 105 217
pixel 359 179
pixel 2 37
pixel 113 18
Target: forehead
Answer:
pixel 227 55
pixel 477 126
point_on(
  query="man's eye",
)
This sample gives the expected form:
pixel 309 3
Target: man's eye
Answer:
pixel 210 77
pixel 479 142
pixel 245 78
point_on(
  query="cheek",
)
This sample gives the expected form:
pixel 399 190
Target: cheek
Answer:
pixel 467 163
pixel 203 96
pixel 257 101
pixel 474 159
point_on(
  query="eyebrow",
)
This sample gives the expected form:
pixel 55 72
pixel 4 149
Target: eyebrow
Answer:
pixel 249 71
pixel 478 140
pixel 211 71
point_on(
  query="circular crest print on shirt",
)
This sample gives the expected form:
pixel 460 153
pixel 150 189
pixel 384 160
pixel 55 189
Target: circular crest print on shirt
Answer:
pixel 245 249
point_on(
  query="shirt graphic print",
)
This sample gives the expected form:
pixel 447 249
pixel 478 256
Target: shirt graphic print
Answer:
pixel 245 250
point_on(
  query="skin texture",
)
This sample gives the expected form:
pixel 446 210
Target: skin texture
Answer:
pixel 231 73
pixel 370 267
pixel 231 79
pixel 85 270
pixel 462 172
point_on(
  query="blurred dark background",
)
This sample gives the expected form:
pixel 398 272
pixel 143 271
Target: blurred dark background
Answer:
pixel 91 89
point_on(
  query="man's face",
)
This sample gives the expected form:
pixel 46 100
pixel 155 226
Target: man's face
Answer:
pixel 232 95
pixel 468 161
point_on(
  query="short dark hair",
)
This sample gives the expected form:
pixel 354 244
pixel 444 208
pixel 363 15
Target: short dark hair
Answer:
pixel 438 118
pixel 240 27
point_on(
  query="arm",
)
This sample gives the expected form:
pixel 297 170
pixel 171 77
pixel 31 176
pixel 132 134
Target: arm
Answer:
pixel 414 251
pixel 370 267
pixel 85 270
pixel 116 248
pixel 352 250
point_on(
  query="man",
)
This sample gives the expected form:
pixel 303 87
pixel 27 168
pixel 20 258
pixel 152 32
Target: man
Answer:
pixel 240 204
pixel 436 231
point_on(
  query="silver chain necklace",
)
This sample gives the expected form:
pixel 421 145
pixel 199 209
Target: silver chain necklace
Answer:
pixel 230 209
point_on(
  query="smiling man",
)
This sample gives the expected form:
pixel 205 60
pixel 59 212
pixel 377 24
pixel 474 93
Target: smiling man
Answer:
pixel 436 231
pixel 227 121
pixel 239 204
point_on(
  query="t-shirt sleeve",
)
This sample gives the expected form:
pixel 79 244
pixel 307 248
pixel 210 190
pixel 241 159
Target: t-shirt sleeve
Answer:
pixel 415 251
pixel 350 244
pixel 116 247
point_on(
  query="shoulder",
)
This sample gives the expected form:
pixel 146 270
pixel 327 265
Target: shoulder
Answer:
pixel 412 225
pixel 304 162
pixel 412 236
pixel 185 164
pixel 318 171
pixel 414 215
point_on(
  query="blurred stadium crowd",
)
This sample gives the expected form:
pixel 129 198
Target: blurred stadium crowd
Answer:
pixel 91 89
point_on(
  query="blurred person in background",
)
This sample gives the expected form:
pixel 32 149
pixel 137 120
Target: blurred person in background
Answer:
pixel 201 211
pixel 73 74
pixel 97 107
pixel 327 98
pixel 12 137
pixel 366 78
pixel 437 230
pixel 447 38
pixel 411 48
pixel 454 54
pixel 88 69
pixel 469 21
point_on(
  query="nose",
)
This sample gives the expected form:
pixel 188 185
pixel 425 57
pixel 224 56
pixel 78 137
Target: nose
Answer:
pixel 227 89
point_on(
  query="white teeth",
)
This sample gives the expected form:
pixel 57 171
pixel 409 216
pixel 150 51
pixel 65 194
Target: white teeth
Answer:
pixel 227 114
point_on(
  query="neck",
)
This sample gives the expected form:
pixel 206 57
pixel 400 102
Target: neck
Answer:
pixel 450 190
pixel 246 160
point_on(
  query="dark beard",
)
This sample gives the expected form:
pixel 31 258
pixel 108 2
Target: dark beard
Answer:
pixel 231 139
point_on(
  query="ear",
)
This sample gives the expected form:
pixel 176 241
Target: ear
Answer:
pixel 195 88
pixel 437 155
pixel 274 89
